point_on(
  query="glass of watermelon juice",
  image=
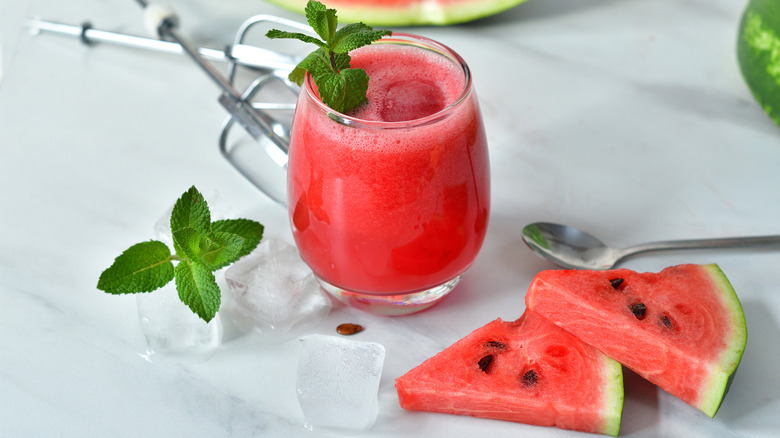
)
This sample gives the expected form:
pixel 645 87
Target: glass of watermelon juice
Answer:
pixel 389 204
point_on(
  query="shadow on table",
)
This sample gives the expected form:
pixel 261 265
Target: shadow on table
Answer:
pixel 640 403
pixel 504 245
pixel 717 105
pixel 755 385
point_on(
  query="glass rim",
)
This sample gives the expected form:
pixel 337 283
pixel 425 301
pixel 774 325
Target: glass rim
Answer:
pixel 411 40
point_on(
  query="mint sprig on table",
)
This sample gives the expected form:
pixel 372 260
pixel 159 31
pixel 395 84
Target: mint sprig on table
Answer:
pixel 342 88
pixel 200 248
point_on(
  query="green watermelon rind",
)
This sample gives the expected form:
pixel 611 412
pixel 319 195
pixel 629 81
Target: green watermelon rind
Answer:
pixel 758 54
pixel 712 389
pixel 720 379
pixel 613 395
pixel 418 14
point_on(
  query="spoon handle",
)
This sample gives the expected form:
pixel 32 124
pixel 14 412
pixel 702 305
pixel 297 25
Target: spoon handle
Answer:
pixel 729 242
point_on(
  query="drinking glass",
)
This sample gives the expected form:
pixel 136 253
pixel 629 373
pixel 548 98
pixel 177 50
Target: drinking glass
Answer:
pixel 390 213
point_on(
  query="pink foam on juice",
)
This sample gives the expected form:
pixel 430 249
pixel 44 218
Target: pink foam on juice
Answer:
pixel 406 83
pixel 383 207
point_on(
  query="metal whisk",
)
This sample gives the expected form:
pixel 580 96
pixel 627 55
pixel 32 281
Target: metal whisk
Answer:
pixel 262 161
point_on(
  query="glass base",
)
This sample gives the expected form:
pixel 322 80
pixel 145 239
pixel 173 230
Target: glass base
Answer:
pixel 391 305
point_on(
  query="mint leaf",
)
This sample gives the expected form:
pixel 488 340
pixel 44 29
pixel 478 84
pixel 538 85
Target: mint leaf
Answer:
pixel 353 36
pixel 249 230
pixel 312 9
pixel 223 245
pixel 187 243
pixel 201 247
pixel 198 289
pixel 276 33
pixel 340 87
pixel 143 267
pixel 315 62
pixel 191 211
pixel 322 20
pixel 341 61
pixel 345 90
pixel 221 249
pixel 190 218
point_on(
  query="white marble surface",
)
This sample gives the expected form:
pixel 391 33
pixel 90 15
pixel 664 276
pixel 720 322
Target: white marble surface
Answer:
pixel 626 117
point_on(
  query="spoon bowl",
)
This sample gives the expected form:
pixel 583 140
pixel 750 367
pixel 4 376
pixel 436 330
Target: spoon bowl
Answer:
pixel 572 248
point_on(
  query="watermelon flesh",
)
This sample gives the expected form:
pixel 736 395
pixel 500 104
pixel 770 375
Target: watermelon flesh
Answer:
pixel 682 329
pixel 407 12
pixel 528 371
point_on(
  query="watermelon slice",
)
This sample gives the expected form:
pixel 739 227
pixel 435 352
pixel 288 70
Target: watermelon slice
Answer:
pixel 682 329
pixel 407 12
pixel 529 371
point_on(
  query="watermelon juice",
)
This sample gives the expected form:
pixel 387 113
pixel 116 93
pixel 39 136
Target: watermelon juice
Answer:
pixel 389 204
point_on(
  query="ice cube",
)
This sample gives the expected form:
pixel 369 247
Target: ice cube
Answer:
pixel 170 327
pixel 274 292
pixel 338 382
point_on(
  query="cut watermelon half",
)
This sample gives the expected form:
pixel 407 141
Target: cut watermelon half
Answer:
pixel 682 329
pixel 528 371
pixel 407 12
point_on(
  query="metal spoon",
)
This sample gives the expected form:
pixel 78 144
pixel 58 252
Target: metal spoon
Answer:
pixel 572 248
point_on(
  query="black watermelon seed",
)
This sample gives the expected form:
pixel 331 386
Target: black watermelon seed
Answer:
pixel 616 282
pixel 485 362
pixel 496 344
pixel 666 321
pixel 639 310
pixel 529 378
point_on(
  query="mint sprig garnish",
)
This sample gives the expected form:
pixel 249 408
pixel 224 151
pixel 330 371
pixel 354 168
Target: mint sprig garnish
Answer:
pixel 200 247
pixel 341 87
